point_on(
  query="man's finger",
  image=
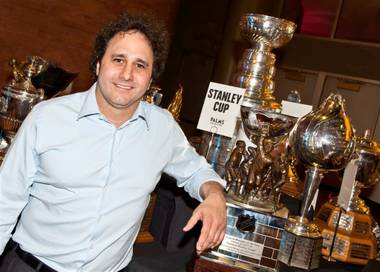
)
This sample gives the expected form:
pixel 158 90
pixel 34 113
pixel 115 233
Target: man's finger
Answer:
pixel 192 222
pixel 204 236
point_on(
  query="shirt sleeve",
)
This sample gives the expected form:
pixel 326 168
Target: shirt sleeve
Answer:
pixel 189 168
pixel 16 177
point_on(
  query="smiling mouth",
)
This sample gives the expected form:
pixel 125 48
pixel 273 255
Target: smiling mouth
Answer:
pixel 123 86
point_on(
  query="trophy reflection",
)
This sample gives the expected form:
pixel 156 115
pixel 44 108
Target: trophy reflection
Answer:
pixel 351 233
pixel 322 140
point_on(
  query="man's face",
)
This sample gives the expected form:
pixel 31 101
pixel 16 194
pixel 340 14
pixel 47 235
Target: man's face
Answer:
pixel 124 73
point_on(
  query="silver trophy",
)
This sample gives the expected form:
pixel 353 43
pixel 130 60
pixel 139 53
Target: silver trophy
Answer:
pixel 322 140
pixel 257 166
pixel 18 97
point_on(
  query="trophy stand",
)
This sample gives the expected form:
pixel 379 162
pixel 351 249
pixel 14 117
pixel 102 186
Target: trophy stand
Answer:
pixel 322 140
pixel 347 235
pixel 256 167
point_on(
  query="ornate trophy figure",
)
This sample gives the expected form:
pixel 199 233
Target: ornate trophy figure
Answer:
pixel 233 173
pixel 322 140
pixel 354 240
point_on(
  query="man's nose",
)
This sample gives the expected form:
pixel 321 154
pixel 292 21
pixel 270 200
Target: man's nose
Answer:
pixel 127 72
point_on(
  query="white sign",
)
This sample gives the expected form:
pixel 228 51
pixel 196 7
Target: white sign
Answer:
pixel 295 109
pixel 242 247
pixel 348 183
pixel 220 109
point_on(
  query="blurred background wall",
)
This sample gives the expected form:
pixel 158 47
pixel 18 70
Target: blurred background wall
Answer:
pixel 63 32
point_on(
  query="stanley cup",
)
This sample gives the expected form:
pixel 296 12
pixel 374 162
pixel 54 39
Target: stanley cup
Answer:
pixel 262 169
pixel 322 140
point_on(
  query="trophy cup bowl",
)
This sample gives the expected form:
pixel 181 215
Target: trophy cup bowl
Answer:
pixel 271 31
pixel 322 140
pixel 257 67
pixel 254 120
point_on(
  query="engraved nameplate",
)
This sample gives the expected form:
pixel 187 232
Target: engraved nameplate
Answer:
pixel 252 240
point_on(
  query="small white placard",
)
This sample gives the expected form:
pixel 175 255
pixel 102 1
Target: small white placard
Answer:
pixel 221 108
pixel 295 109
pixel 348 182
pixel 242 247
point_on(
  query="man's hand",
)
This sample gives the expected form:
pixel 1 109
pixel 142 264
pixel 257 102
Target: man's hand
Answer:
pixel 212 213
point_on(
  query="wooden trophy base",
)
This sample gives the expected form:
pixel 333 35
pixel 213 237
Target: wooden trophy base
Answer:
pixel 354 242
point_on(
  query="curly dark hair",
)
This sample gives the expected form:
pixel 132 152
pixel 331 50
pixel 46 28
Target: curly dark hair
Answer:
pixel 154 32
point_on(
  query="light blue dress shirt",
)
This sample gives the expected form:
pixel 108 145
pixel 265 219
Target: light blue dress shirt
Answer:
pixel 83 185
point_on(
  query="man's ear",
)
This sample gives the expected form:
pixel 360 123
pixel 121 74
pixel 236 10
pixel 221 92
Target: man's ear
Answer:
pixel 97 68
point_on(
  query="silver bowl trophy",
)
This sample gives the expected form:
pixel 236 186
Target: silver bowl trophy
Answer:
pixel 18 97
pixel 257 166
pixel 351 231
pixel 322 140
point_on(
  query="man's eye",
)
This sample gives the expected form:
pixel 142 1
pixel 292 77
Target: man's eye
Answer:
pixel 140 65
pixel 118 60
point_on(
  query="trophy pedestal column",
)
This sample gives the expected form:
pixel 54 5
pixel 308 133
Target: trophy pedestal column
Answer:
pixel 300 252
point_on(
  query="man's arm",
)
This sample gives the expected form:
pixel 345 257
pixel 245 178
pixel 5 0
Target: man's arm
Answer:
pixel 16 176
pixel 212 213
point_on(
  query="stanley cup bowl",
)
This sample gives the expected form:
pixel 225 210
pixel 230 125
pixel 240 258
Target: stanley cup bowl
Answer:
pixel 255 120
pixel 271 31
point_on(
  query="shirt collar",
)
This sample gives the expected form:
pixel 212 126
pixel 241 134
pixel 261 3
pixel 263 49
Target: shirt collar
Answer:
pixel 90 107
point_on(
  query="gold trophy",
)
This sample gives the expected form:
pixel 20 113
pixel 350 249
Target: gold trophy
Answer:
pixel 322 140
pixel 256 167
pixel 351 231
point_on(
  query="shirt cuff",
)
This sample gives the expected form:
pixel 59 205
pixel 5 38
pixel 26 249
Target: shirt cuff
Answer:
pixel 194 187
pixel 3 242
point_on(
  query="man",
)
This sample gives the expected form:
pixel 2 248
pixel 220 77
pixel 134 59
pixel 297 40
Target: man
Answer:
pixel 82 167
